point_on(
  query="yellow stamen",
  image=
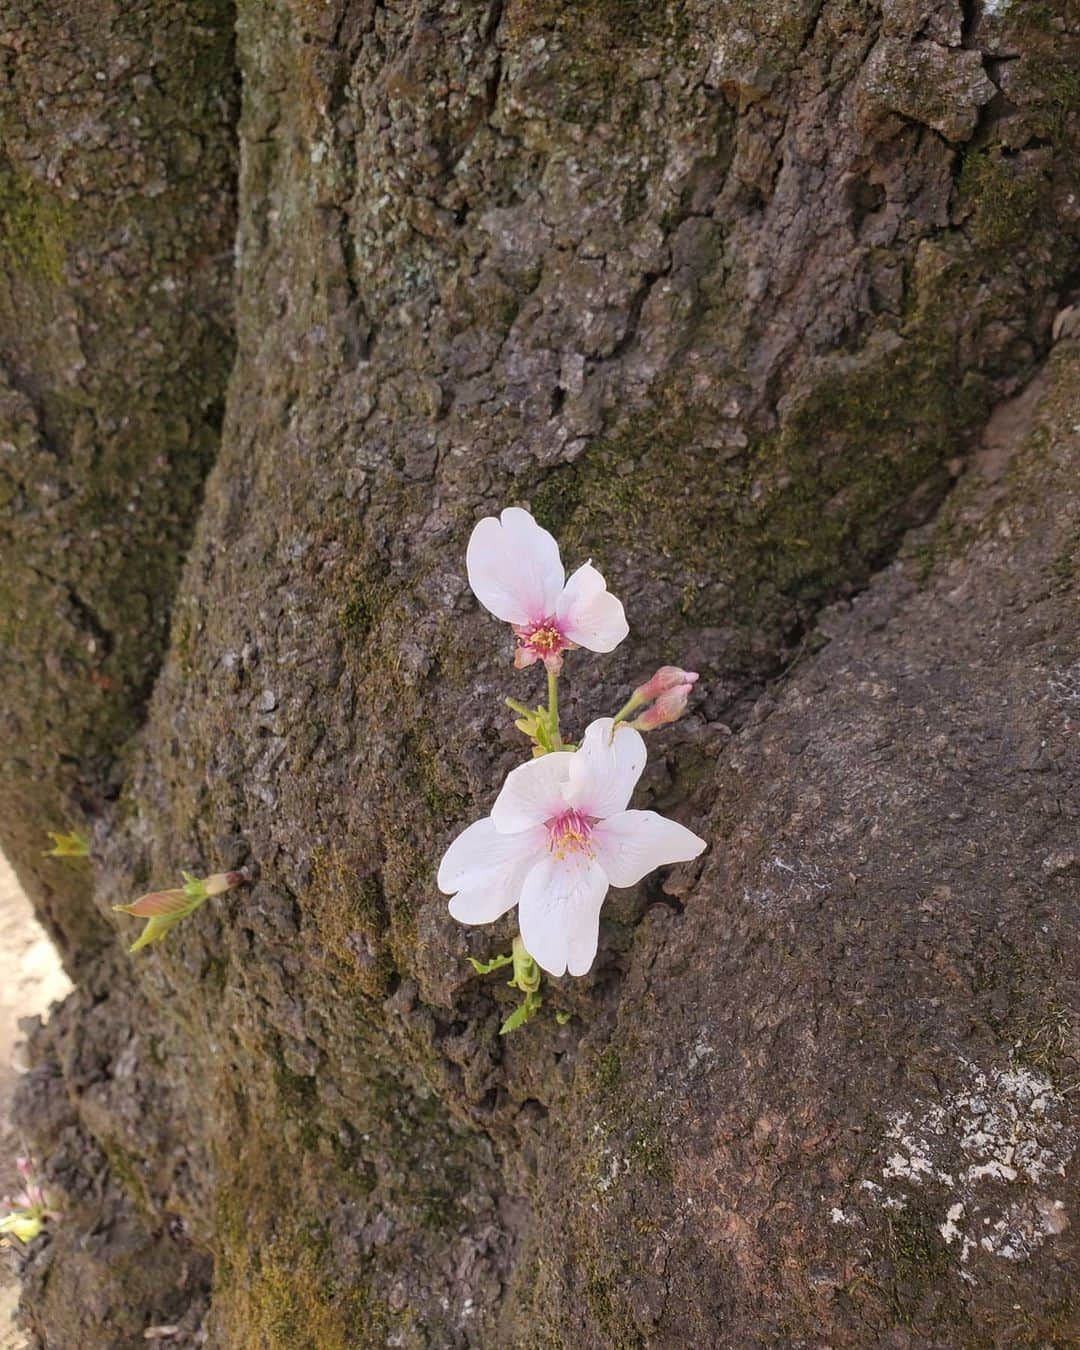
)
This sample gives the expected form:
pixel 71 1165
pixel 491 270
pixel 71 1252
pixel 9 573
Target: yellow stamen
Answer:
pixel 546 639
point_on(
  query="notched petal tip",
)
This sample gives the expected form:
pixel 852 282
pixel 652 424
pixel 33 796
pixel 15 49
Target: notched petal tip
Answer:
pixel 589 614
pixel 514 567
pixel 559 914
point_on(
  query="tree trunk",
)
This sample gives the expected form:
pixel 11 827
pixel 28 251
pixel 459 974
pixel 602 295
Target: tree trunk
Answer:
pixel 754 304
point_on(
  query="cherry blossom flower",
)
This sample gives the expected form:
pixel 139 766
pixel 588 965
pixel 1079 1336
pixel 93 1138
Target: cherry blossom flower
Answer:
pixel 558 836
pixel 30 1208
pixel 516 572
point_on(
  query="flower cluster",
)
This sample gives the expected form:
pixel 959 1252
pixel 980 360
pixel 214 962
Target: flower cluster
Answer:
pixel 28 1210
pixel 561 831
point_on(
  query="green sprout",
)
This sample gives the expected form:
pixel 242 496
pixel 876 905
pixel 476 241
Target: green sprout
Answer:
pixel 164 909
pixel 526 977
pixel 541 725
pixel 73 845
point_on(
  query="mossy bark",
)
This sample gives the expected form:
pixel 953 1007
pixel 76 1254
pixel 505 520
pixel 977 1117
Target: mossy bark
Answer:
pixel 117 216
pixel 728 294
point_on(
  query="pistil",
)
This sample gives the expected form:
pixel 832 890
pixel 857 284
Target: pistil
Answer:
pixel 570 832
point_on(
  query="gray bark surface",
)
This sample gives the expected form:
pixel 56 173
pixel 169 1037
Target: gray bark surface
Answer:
pixel 752 303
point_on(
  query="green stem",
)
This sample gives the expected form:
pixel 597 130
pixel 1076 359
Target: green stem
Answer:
pixel 526 972
pixel 631 705
pixel 553 706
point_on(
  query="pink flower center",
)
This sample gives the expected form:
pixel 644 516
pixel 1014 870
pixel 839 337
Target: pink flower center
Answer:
pixel 570 833
pixel 542 638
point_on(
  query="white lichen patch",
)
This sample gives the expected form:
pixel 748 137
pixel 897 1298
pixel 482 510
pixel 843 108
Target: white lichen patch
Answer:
pixel 1025 1226
pixel 1003 1131
pixel 610 1165
pixel 616 1166
pixel 1064 686
pixel 949 1230
pixel 1008 1124
pixel 701 1050
pixel 787 885
pixel 912 1165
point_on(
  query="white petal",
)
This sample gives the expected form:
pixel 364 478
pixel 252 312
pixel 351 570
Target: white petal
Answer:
pixel 488 899
pixel 488 869
pixel 559 913
pixel 514 567
pixel 532 793
pixel 481 849
pixel 604 772
pixel 589 614
pixel 633 843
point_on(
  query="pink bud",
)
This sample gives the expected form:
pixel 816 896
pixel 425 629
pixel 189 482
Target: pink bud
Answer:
pixel 667 677
pixel 669 707
pixel 34 1196
pixel 221 882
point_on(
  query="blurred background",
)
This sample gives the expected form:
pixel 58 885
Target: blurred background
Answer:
pixel 31 978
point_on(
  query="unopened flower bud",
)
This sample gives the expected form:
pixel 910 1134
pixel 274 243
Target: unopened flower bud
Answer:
pixel 157 903
pixel 667 677
pixel 669 707
pixel 221 882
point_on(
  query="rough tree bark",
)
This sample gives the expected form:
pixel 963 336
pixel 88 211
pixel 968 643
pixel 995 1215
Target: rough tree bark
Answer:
pixel 754 303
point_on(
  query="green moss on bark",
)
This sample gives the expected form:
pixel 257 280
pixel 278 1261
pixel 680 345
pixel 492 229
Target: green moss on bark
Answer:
pixel 284 1295
pixel 115 334
pixel 1002 195
pixel 806 511
pixel 347 910
pixel 34 224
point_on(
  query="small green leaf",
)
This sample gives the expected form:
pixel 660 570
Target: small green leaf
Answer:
pixel 155 930
pixel 73 845
pixel 539 724
pixel 194 887
pixel 529 1005
pixel 21 1224
pixel 563 1017
pixel 486 967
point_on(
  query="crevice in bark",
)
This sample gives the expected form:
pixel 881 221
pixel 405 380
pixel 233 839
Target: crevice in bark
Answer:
pixel 494 80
